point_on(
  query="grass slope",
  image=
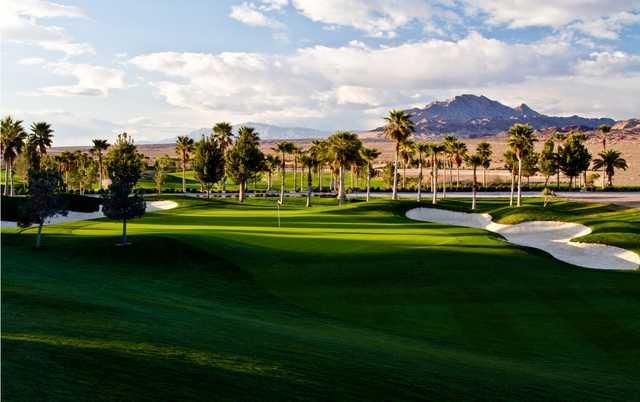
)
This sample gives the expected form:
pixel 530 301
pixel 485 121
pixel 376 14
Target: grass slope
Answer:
pixel 214 302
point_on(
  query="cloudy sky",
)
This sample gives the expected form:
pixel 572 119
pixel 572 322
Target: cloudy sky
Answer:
pixel 157 69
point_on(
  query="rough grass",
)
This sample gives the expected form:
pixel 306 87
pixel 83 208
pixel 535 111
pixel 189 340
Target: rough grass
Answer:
pixel 214 302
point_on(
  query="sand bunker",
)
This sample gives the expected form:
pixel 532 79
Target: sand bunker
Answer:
pixel 550 236
pixel 152 206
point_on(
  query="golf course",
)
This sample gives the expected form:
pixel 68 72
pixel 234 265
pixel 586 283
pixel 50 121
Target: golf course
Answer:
pixel 214 301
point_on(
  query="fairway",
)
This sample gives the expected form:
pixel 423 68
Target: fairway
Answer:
pixel 213 301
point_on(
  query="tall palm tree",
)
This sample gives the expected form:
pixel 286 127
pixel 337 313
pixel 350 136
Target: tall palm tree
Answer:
pixel 184 147
pixel 296 152
pixel 284 148
pixel 223 133
pixel 406 154
pixel 12 140
pixel 558 137
pixel 473 161
pixel 521 139
pixel 399 128
pixel 435 150
pixel 604 132
pixel 458 152
pixel 422 148
pixel 345 150
pixel 99 146
pixel 484 150
pixel 319 150
pixel 369 155
pixel 309 161
pixel 609 161
pixel 448 142
pixel 272 162
pixel 41 136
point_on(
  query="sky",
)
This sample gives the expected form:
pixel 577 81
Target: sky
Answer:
pixel 157 69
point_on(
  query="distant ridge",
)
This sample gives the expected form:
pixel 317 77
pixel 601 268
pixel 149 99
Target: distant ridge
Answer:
pixel 472 115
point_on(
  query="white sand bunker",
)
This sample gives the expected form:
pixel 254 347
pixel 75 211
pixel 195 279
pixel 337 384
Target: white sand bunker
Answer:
pixel 550 236
pixel 152 206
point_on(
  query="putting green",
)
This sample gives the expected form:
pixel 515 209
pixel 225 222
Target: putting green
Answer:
pixel 214 301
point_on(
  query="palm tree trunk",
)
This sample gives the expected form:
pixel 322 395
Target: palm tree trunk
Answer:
pixel 444 181
pixel 341 196
pixel 309 185
pixel 6 178
pixel 419 179
pixel 39 237
pixel 558 179
pixel 241 191
pixel 368 180
pixel 11 177
pixel 519 182
pixel 320 178
pixel 484 177
pixel 184 186
pixel 434 180
pixel 394 194
pixel 101 174
pixel 513 175
pixel 604 174
pixel 473 186
pixel 282 169
pixel 295 174
pixel 457 176
pixel 404 175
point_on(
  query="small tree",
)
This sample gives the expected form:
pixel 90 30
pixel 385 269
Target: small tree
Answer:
pixel 184 147
pixel 548 161
pixel 244 159
pixel 44 200
pixel 520 142
pixel 484 150
pixel 124 167
pixel 369 155
pixel 208 163
pixel 422 149
pixel 308 161
pixel 161 166
pixel 573 157
pixel 610 160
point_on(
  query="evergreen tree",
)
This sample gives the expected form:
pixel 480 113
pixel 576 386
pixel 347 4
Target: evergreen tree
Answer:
pixel 244 159
pixel 161 166
pixel 548 163
pixel 573 157
pixel 208 162
pixel 44 200
pixel 124 167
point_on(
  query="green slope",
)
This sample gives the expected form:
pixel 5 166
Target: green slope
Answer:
pixel 214 302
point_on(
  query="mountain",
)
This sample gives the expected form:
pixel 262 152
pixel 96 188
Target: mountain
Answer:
pixel 471 116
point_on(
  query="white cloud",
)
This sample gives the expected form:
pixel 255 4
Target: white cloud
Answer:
pixel 248 13
pixel 31 61
pixel 378 18
pixel 91 80
pixel 273 5
pixel 20 22
pixel 609 63
pixel 599 18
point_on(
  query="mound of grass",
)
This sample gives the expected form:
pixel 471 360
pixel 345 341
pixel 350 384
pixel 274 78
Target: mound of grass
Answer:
pixel 214 302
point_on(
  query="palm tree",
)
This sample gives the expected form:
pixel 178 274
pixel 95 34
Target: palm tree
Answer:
pixel 458 152
pixel 345 150
pixel 369 155
pixel 296 152
pixel 99 146
pixel 399 128
pixel 272 162
pixel 319 150
pixel 184 147
pixel 285 148
pixel 448 142
pixel 474 161
pixel 12 140
pixel 558 137
pixel 520 141
pixel 604 132
pixel 422 149
pixel 223 133
pixel 435 150
pixel 308 160
pixel 609 161
pixel 41 136
pixel 406 153
pixel 484 150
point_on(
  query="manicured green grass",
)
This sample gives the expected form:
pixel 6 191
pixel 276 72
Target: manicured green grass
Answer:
pixel 174 182
pixel 214 302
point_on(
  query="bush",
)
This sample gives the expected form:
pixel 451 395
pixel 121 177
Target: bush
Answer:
pixel 81 203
